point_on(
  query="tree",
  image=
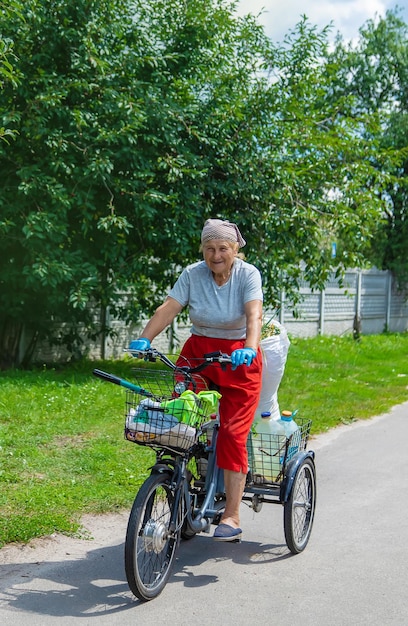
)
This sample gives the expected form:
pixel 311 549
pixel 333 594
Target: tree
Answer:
pixel 375 73
pixel 322 175
pixel 6 57
pixel 137 120
pixel 101 190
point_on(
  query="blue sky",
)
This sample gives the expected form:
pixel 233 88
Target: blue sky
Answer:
pixel 347 15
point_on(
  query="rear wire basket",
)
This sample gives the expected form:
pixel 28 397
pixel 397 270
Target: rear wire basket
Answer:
pixel 157 416
pixel 268 455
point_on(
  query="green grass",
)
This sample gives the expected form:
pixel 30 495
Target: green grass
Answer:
pixel 334 380
pixel 62 451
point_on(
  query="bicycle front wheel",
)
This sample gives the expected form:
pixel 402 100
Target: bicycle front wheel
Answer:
pixel 150 544
pixel 299 510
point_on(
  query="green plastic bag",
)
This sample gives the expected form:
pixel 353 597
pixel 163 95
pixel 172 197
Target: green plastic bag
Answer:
pixel 192 408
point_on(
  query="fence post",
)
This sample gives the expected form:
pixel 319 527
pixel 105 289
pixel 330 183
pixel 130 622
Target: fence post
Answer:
pixel 357 315
pixel 282 307
pixel 389 293
pixel 103 320
pixel 321 312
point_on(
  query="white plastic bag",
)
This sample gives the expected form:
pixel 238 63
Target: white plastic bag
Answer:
pixel 275 352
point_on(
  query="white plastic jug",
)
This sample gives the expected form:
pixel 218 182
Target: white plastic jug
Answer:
pixel 266 449
pixel 291 429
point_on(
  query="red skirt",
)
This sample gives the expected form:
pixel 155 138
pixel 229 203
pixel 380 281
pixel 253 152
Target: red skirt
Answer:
pixel 240 390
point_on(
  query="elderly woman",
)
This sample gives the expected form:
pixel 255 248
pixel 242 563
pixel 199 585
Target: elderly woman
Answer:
pixel 224 296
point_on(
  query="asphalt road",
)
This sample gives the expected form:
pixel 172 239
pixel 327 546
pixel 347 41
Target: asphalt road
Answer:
pixel 354 570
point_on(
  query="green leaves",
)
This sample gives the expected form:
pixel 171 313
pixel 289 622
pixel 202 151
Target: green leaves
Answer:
pixel 375 72
pixel 136 121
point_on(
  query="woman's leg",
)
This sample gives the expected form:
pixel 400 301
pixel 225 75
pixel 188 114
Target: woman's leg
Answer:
pixel 240 391
pixel 234 488
pixel 240 396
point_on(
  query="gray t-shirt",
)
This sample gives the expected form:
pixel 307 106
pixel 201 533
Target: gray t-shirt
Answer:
pixel 218 311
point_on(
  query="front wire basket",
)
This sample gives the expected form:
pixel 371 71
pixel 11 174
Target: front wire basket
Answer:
pixel 160 417
pixel 268 455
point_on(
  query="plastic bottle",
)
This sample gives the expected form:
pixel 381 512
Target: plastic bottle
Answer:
pixel 210 428
pixel 267 443
pixel 291 429
pixel 149 417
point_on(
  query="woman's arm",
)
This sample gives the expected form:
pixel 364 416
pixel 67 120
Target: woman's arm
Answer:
pixel 163 316
pixel 253 312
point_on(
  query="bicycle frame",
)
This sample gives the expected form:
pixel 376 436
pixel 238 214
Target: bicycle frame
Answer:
pixel 214 486
pixel 198 518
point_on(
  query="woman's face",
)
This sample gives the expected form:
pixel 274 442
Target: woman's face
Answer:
pixel 219 255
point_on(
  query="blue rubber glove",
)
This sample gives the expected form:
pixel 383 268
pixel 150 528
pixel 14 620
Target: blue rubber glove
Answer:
pixel 139 345
pixel 241 356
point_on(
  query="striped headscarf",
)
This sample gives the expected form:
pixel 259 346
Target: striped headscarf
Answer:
pixel 222 229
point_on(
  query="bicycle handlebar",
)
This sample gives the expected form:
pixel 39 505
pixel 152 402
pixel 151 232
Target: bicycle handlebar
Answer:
pixel 151 354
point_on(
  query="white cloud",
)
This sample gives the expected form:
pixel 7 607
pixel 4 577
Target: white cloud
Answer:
pixel 347 16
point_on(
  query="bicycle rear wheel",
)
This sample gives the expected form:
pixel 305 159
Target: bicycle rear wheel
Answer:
pixel 299 510
pixel 150 545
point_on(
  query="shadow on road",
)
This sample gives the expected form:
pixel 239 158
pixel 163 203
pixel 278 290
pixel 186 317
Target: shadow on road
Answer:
pixel 96 584
pixel 77 588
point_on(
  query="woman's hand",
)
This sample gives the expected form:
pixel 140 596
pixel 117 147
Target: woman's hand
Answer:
pixel 139 345
pixel 241 356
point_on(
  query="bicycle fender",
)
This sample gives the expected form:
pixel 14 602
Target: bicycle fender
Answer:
pixel 162 468
pixel 290 473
